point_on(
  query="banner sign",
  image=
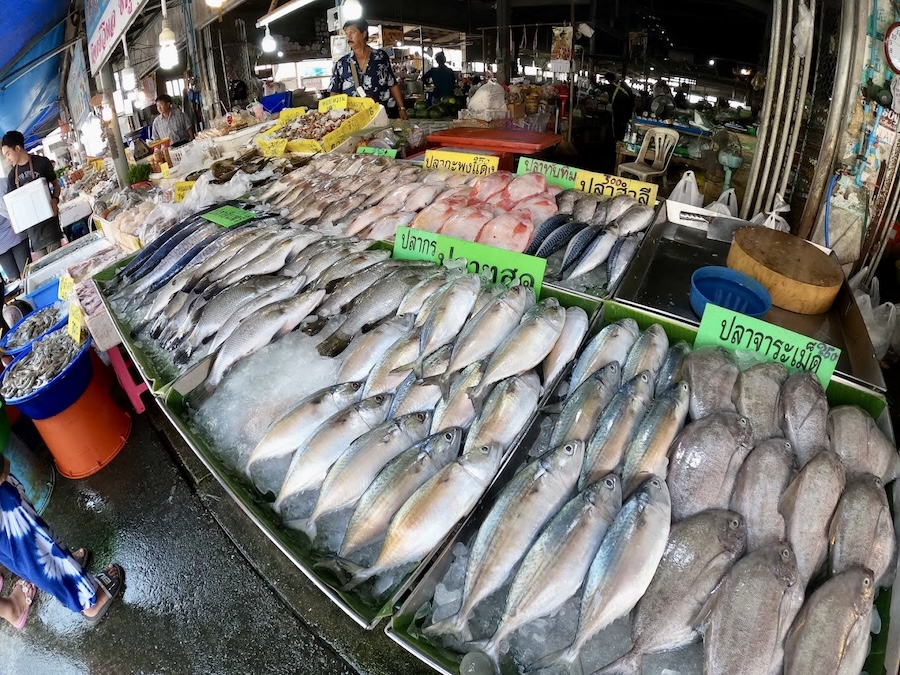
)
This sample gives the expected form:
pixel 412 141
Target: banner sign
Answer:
pixel 556 174
pixel 461 162
pixel 77 87
pixel 106 21
pixel 604 185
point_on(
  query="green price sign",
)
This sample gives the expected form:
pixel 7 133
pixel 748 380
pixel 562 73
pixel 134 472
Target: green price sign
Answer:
pixel 556 174
pixel 505 267
pixel 735 332
pixel 229 216
pixel 384 152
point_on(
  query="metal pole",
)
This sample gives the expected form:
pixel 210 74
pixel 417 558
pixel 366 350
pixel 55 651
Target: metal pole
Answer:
pixel 571 76
pixel 114 135
pixel 798 110
pixel 503 64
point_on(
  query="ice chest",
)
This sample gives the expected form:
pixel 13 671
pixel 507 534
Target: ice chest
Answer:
pixel 29 205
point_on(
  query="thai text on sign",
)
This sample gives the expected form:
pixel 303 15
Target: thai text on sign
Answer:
pixel 461 162
pixel 604 185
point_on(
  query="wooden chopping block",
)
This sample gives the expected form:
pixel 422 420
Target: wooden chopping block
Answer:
pixel 799 276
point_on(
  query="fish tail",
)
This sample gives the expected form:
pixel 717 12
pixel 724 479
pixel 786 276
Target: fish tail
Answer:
pixel 416 366
pixel 140 328
pixel 629 664
pixel 457 625
pixel 182 356
pixel 315 326
pixel 349 573
pixel 334 345
pixel 476 395
pixel 568 658
pixel 491 649
pixel 200 395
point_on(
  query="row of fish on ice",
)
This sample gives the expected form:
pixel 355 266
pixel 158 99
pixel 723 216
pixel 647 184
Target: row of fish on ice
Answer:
pixel 762 524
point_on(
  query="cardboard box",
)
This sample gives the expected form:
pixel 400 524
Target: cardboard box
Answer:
pixel 29 205
pixel 516 110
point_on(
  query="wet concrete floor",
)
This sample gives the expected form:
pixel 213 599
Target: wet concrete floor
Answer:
pixel 206 591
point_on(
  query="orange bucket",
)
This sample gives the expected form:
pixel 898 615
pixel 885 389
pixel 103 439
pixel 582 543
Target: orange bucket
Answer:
pixel 87 435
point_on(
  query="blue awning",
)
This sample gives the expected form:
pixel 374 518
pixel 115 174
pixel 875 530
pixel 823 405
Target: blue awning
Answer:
pixel 26 103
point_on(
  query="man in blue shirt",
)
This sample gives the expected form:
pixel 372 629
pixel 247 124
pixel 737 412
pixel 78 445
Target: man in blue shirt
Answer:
pixel 441 77
pixel 367 72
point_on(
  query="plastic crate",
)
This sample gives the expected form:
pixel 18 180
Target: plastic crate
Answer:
pixel 43 296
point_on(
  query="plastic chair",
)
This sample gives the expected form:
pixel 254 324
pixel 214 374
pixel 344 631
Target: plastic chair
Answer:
pixel 663 142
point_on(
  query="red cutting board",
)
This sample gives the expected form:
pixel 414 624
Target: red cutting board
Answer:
pixel 502 140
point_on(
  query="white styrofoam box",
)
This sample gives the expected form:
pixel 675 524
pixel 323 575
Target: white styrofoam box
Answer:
pixel 29 205
pixel 71 254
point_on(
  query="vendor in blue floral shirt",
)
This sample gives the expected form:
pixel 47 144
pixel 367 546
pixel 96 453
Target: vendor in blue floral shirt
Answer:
pixel 367 72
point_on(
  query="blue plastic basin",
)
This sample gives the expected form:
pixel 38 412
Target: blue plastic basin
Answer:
pixel 730 289
pixel 18 350
pixel 60 392
pixel 44 296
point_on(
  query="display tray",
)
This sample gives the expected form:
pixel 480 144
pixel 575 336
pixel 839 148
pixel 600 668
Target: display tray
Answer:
pixel 659 279
pixel 503 140
pixel 884 655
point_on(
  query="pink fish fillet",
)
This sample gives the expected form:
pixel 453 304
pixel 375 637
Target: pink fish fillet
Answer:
pixel 490 185
pixel 455 193
pixel 467 224
pixel 541 207
pixel 386 228
pixel 523 187
pixel 432 218
pixel 512 231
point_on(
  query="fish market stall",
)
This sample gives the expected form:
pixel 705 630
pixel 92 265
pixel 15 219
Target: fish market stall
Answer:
pixel 510 143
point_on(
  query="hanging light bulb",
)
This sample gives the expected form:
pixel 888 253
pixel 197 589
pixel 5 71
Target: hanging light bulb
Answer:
pixel 215 4
pixel 127 77
pixel 168 49
pixel 351 10
pixel 106 109
pixel 268 42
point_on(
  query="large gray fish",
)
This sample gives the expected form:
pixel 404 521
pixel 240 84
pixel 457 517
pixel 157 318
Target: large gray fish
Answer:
pixel 350 265
pixel 416 394
pixel 860 444
pixel 613 343
pixel 555 567
pixel 455 409
pixel 648 353
pixel 760 485
pixel 326 259
pixel 251 250
pixel 711 372
pixel 257 331
pixel 348 289
pixel 417 295
pixel 803 413
pixel 311 462
pixel 619 259
pixel 353 472
pixel 616 428
pixel 622 569
pixel 673 367
pixel 596 253
pixel 269 262
pixel 524 348
pixel 269 461
pixel 704 462
pixel 566 199
pixel 340 209
pixel 807 506
pixel 529 500
pixel 486 331
pixel 395 484
pixel 566 347
pixel 635 219
pixel 700 551
pixel 378 302
pixel 751 612
pixel 383 379
pixel 506 413
pixel 831 632
pixel 756 398
pixel 862 530
pixel 584 208
pixel 620 205
pixel 434 510
pixel 648 449
pixel 583 407
pixel 367 349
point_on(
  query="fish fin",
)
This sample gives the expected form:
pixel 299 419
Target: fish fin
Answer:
pixel 491 649
pixel 315 326
pixel 628 664
pixel 182 356
pixel 569 658
pixel 349 574
pixel 443 381
pixel 553 409
pixel 140 328
pixel 333 345
pixel 457 625
pixel 416 366
pixel 307 527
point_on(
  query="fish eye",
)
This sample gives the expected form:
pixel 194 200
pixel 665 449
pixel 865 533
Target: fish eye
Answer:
pixel 356 385
pixel 786 554
pixel 379 398
pixel 867 582
pixel 610 482
pixel 645 377
pixel 421 417
pixel 569 449
pixel 448 436
pixel 485 449
pixel 788 446
pixel 735 523
pixel 743 421
pixel 655 482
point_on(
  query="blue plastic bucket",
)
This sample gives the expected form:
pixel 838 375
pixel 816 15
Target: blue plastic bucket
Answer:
pixel 731 289
pixel 21 349
pixel 60 392
pixel 44 296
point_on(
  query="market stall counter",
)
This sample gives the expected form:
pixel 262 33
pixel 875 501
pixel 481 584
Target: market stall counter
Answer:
pixel 508 142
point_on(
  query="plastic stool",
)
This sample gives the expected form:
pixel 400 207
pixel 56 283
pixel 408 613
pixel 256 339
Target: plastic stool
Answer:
pixel 131 388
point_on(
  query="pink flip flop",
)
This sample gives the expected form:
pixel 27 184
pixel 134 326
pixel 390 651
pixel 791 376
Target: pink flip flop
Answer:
pixel 30 590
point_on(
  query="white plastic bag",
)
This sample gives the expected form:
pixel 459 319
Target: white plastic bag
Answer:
pixel 490 97
pixel 730 200
pixel 772 219
pixel 721 209
pixel 881 322
pixel 686 191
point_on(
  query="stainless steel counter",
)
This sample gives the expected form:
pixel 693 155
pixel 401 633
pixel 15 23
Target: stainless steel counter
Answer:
pixel 659 278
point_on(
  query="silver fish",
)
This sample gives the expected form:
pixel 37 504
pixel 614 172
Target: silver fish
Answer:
pixel 635 219
pixel 704 462
pixel 762 584
pixel 417 295
pixel 566 347
pixel 506 412
pixel 756 397
pixel 455 409
pixel 596 253
pixel 807 506
pixel 803 413
pixel 416 394
pixel 700 551
pixel 860 444
pixel 566 199
pixel 761 482
pixel 862 530
pixel 270 459
pixel 619 205
pixel 531 498
pixel 368 348
pixel 350 265
pixel 611 344
pixel 616 428
pixel 673 367
pixel 622 569
pixel 619 259
pixel 348 289
pixel 711 372
pixel 395 484
pixel 648 353
pixel 583 407
pixel 383 379
pixel 584 207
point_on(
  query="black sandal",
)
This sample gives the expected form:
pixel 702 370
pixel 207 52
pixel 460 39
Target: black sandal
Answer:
pixel 112 587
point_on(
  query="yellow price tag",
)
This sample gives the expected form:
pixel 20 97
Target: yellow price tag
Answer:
pixel 164 167
pixel 66 286
pixel 182 188
pixel 605 185
pixel 338 102
pixel 290 114
pixel 76 320
pixel 272 147
pixel 461 162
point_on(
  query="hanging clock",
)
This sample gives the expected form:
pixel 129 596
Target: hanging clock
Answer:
pixel 892 46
